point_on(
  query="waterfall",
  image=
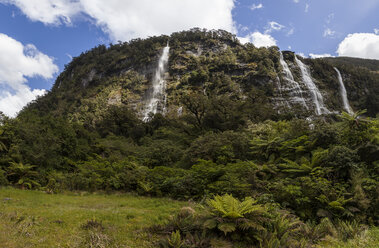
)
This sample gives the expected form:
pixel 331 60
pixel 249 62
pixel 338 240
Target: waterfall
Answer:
pixel 157 101
pixel 343 93
pixel 293 87
pixel 286 69
pixel 314 91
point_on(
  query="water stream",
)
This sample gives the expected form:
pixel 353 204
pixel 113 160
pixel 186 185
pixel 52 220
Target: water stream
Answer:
pixel 156 103
pixel 291 86
pixel 316 96
pixel 343 93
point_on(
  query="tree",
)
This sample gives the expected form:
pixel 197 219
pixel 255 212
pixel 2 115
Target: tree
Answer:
pixel 22 175
pixel 197 105
pixel 355 128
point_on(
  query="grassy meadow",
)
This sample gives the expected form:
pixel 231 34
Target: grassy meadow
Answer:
pixel 37 219
pixel 79 219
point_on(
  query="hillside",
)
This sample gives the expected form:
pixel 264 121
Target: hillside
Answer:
pixel 212 63
pixel 370 64
pixel 277 150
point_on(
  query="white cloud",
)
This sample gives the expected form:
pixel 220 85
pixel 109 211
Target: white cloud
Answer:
pixel 52 12
pixel 259 39
pixel 376 30
pixel 243 28
pixel 306 7
pixel 329 33
pixel 291 32
pixel 11 104
pixel 256 6
pixel 17 63
pixel 273 26
pixel 362 45
pixel 127 19
pixel 69 56
pixel 330 18
pixel 296 1
pixel 316 56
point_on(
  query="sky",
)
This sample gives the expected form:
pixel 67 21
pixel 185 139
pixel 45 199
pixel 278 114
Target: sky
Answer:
pixel 39 37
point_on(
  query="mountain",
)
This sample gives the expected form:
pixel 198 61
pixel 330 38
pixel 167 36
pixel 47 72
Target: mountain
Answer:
pixel 199 116
pixel 265 82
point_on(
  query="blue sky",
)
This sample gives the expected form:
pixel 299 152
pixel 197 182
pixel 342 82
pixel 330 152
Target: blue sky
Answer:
pixel 38 37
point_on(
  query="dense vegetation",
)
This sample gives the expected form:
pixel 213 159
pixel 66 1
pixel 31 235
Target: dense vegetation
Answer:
pixel 371 64
pixel 266 177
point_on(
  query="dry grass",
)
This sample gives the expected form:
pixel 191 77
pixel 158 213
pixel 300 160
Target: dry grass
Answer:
pixel 367 239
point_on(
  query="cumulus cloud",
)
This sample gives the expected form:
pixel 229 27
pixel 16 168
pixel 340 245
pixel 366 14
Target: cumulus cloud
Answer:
pixel 376 30
pixel 127 19
pixel 316 56
pixel 11 104
pixel 52 12
pixel 264 39
pixel 259 39
pixel 17 63
pixel 362 45
pixel 306 8
pixel 256 6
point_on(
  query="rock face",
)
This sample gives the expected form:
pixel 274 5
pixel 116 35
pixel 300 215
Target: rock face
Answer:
pixel 213 64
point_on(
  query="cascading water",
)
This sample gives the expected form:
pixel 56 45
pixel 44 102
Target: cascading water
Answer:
pixel 314 91
pixel 157 101
pixel 286 69
pixel 293 87
pixel 343 93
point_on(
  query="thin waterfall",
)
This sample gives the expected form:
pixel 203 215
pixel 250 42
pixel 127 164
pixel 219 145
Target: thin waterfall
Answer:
pixel 157 101
pixel 293 87
pixel 314 91
pixel 343 93
pixel 281 98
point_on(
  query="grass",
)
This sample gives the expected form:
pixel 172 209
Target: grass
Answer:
pixel 367 239
pixel 37 219
pixel 71 220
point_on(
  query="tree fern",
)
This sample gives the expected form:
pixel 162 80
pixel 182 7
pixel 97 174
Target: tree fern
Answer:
pixel 230 215
pixel 229 207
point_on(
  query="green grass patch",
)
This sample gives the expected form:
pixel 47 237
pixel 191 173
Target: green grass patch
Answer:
pixel 37 219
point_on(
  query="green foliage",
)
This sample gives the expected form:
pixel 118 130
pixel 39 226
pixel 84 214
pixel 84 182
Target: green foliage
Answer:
pixel 3 178
pixel 221 148
pixel 284 231
pixel 227 222
pixel 23 175
pixel 227 206
pixel 235 218
pixel 175 240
